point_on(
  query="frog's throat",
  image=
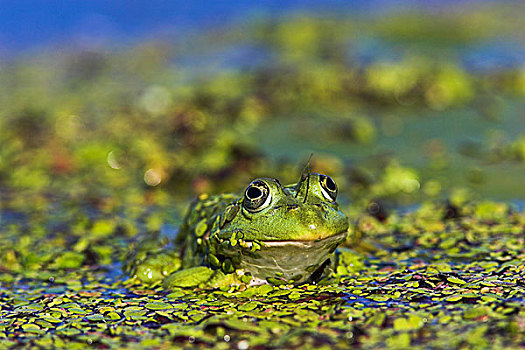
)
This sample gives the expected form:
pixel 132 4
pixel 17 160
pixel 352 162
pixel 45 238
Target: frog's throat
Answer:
pixel 289 260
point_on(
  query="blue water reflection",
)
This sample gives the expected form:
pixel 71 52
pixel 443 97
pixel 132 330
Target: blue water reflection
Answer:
pixel 27 25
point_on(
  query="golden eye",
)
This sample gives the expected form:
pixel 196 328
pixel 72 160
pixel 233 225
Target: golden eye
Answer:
pixel 328 187
pixel 257 196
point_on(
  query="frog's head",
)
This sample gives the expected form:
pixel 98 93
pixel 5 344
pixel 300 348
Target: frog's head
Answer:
pixel 286 232
pixel 306 211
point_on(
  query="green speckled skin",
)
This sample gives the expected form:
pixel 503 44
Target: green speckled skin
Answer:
pixel 281 234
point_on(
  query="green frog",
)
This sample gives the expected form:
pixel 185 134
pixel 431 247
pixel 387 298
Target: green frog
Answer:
pixel 270 234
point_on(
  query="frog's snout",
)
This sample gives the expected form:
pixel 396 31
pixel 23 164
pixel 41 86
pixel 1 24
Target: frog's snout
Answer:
pixel 292 207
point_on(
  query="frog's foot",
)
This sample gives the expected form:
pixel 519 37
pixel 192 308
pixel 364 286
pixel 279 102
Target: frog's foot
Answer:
pixel 154 268
pixel 191 277
pixel 200 276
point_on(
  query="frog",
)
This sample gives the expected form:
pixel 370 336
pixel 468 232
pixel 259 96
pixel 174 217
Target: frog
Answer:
pixel 268 234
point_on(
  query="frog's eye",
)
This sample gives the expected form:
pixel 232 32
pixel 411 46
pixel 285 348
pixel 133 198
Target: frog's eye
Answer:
pixel 328 187
pixel 257 196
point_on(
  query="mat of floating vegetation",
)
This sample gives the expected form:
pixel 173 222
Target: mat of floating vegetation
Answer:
pixel 426 282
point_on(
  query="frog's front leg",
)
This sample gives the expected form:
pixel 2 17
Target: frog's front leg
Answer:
pixel 151 259
pixel 344 262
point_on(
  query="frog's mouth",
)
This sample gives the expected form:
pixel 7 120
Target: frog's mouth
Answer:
pixel 294 260
pixel 303 243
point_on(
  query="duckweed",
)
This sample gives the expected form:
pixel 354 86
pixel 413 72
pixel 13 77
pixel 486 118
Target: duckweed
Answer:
pixel 405 294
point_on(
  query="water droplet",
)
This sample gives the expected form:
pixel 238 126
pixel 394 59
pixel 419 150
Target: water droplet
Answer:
pixel 112 161
pixel 152 177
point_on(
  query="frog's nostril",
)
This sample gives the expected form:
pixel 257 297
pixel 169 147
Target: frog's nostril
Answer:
pixel 322 207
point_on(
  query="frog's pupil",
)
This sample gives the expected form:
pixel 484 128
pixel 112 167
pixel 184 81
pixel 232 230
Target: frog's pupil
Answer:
pixel 253 193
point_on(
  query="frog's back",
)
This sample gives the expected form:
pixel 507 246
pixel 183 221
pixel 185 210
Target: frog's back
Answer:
pixel 202 217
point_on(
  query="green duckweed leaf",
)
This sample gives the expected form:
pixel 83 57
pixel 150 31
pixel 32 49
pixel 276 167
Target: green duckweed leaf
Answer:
pixel 248 306
pixel 158 306
pixel 455 280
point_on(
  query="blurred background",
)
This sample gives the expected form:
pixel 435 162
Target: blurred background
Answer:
pixel 127 104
